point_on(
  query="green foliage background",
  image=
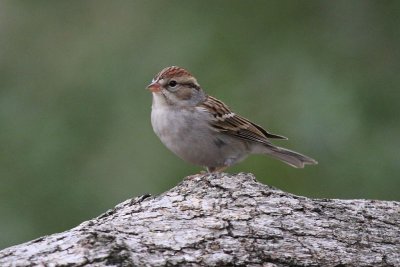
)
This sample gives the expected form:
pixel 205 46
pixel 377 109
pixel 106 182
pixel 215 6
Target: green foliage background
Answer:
pixel 75 136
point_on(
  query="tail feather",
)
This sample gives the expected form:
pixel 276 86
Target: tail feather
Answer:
pixel 290 157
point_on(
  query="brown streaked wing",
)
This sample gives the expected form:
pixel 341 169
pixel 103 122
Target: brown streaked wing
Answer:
pixel 235 125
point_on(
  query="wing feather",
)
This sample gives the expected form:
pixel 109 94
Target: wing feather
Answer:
pixel 233 124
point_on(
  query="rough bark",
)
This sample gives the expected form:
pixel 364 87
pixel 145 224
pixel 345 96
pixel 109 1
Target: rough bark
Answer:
pixel 224 220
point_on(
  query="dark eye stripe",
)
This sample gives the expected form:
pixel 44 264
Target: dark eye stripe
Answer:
pixel 192 85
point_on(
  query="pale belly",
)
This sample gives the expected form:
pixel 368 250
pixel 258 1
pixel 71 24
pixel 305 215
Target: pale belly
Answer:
pixel 193 140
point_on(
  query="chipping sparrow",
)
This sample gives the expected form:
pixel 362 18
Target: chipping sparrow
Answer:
pixel 202 130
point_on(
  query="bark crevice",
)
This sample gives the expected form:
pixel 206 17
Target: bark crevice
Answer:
pixel 224 220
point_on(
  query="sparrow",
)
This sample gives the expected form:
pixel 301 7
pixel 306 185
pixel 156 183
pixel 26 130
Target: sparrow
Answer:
pixel 202 130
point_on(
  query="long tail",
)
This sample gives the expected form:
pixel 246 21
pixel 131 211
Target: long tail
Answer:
pixel 290 157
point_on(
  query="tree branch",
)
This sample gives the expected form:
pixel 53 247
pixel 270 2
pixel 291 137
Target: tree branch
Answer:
pixel 221 220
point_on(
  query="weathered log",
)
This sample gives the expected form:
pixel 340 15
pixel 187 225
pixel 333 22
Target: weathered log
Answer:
pixel 224 220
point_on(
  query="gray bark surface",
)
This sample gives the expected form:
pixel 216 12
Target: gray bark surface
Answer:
pixel 224 220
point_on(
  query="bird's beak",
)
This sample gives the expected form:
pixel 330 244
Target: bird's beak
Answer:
pixel 154 87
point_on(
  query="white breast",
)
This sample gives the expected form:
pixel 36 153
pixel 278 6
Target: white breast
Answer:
pixel 187 133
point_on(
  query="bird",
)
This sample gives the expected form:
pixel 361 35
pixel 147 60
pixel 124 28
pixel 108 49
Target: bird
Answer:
pixel 202 130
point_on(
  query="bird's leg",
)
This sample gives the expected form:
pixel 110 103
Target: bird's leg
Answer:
pixel 216 169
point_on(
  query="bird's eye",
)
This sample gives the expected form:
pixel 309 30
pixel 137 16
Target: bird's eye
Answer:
pixel 172 83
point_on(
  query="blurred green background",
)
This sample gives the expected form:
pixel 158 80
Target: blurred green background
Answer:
pixel 75 135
